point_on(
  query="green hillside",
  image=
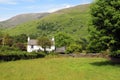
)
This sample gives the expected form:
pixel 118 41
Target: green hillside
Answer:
pixel 72 20
pixel 20 19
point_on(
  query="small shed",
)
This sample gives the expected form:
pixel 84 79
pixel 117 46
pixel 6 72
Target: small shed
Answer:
pixel 60 50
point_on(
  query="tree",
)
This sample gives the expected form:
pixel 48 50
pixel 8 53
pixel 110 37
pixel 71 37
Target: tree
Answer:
pixel 7 40
pixel 63 39
pixel 20 38
pixel 20 46
pixel 106 23
pixel 44 42
pixel 1 36
pixel 83 42
pixel 74 48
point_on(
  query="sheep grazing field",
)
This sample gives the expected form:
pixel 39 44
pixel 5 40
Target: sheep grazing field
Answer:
pixel 60 69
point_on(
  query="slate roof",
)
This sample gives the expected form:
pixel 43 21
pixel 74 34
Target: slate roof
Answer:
pixel 32 42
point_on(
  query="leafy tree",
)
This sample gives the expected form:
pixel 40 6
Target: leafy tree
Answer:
pixel 83 42
pixel 44 42
pixel 1 36
pixel 7 40
pixel 20 46
pixel 48 26
pixel 20 38
pixel 106 23
pixel 74 48
pixel 63 39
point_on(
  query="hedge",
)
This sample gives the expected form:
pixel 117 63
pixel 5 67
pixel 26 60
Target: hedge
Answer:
pixel 17 55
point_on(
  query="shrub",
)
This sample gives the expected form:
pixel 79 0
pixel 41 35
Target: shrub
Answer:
pixel 115 54
pixel 74 48
pixel 20 46
pixel 17 55
pixel 4 48
pixel 7 48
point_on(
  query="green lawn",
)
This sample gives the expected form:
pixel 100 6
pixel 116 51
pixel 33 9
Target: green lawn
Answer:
pixel 60 69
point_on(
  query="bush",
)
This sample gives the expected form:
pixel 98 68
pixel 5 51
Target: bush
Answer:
pixel 7 48
pixel 20 46
pixel 74 48
pixel 52 55
pixel 17 55
pixel 115 54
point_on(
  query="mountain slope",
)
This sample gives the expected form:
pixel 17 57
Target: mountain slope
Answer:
pixel 16 20
pixel 72 20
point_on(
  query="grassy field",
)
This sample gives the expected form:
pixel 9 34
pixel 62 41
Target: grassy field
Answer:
pixel 60 69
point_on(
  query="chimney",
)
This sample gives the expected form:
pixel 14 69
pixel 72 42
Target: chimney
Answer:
pixel 53 40
pixel 28 39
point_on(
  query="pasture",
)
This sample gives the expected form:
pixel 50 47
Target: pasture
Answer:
pixel 60 69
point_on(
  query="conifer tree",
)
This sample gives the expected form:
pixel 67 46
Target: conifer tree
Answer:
pixel 106 24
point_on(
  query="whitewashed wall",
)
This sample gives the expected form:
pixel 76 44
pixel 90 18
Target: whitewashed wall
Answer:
pixel 36 48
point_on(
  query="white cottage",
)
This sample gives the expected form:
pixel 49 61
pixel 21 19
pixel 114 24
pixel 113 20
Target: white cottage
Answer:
pixel 33 46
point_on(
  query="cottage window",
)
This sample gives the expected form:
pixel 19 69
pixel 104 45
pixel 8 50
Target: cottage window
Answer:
pixel 32 46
